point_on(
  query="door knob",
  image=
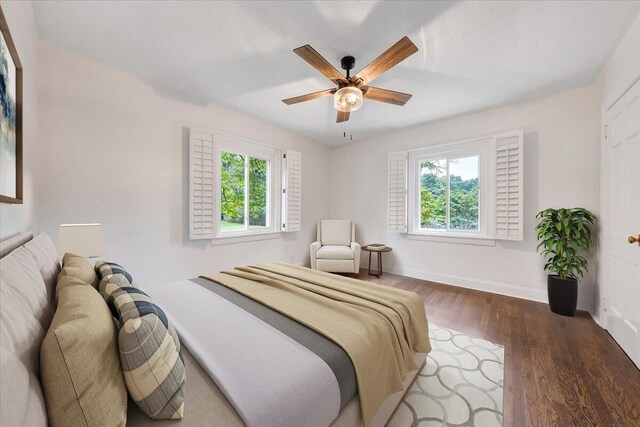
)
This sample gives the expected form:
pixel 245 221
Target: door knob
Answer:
pixel 633 239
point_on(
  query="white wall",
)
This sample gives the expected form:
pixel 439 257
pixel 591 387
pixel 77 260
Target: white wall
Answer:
pixel 19 15
pixel 114 150
pixel 622 68
pixel 560 170
pixel 97 121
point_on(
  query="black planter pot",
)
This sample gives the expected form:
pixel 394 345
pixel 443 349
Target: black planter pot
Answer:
pixel 563 295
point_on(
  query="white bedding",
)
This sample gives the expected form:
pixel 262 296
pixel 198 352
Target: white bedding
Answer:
pixel 270 379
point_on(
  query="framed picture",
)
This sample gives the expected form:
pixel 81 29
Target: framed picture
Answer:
pixel 10 118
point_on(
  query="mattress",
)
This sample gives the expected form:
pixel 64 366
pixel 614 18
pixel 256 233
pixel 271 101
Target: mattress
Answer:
pixel 206 401
pixel 207 405
pixel 329 352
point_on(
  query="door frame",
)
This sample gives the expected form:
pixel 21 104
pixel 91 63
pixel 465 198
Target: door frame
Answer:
pixel 603 254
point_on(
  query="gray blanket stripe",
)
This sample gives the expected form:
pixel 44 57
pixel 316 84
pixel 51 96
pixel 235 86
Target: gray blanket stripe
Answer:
pixel 333 355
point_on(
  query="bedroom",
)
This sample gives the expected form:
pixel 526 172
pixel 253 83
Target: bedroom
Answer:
pixel 116 99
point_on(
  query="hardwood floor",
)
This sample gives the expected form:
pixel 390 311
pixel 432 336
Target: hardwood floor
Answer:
pixel 559 371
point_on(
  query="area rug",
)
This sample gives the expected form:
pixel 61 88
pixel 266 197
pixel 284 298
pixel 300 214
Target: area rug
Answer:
pixel 461 385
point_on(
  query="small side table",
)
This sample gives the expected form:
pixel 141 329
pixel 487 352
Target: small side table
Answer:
pixel 379 252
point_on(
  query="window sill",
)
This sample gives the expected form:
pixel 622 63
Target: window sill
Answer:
pixel 479 241
pixel 228 240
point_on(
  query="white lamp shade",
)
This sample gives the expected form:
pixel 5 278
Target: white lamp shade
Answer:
pixel 86 240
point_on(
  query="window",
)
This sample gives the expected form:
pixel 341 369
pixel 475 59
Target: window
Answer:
pixel 450 190
pixel 235 191
pixel 433 194
pixel 465 190
pixel 244 202
pixel 247 186
pixel 449 194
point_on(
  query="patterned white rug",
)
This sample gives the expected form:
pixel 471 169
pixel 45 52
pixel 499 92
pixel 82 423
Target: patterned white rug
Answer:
pixel 461 385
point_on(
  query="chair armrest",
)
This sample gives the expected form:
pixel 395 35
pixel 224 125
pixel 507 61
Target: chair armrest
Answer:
pixel 355 247
pixel 313 250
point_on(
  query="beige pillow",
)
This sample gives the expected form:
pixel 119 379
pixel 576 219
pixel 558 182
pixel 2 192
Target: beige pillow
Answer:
pixel 79 361
pixel 79 267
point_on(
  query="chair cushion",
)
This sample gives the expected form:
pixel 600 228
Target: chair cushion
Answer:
pixel 78 267
pixel 335 252
pixel 337 265
pixel 335 232
pixel 44 252
pixel 81 375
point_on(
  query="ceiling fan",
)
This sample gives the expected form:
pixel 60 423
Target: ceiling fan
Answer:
pixel 351 90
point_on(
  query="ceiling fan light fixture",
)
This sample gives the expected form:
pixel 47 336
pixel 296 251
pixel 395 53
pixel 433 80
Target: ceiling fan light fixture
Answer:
pixel 348 99
pixel 351 90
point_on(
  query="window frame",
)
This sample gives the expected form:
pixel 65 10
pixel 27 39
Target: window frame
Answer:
pixel 256 150
pixel 482 148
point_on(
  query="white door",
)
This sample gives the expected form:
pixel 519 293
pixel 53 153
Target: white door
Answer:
pixel 622 222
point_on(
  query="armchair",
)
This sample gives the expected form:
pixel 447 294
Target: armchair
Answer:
pixel 335 249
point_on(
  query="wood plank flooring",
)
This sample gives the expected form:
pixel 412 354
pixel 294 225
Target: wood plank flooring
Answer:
pixel 559 371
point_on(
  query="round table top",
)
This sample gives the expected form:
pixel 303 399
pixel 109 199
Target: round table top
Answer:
pixel 368 249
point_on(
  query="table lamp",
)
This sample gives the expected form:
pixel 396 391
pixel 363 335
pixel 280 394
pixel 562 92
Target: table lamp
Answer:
pixel 86 240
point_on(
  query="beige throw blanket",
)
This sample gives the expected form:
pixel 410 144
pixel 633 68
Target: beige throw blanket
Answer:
pixel 380 327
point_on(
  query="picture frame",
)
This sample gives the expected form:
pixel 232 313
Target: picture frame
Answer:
pixel 11 154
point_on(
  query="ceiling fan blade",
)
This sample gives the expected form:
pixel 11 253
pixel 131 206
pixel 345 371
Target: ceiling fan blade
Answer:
pixel 309 96
pixel 342 117
pixel 386 95
pixel 316 60
pixel 390 58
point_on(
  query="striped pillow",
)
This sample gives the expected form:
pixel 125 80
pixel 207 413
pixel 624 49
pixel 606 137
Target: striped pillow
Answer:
pixel 112 272
pixel 150 353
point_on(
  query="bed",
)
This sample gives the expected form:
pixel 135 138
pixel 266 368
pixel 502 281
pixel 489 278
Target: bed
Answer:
pixel 214 384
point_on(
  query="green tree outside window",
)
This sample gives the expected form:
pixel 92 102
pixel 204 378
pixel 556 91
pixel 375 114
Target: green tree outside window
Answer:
pixel 463 198
pixel 233 186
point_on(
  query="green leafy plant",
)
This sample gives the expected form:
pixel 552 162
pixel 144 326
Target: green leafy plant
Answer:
pixel 563 235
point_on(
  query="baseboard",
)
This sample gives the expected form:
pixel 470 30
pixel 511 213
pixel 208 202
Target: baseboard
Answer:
pixel 596 318
pixel 501 288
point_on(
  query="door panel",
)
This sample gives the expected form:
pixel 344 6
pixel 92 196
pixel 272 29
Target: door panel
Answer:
pixel 622 201
pixel 617 192
pixel 632 256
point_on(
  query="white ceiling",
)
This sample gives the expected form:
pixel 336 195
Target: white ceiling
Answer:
pixel 472 55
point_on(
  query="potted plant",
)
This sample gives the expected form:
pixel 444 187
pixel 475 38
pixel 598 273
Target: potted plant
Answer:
pixel 563 235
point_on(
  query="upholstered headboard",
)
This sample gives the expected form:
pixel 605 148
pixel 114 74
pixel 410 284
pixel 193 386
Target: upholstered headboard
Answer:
pixel 7 245
pixel 28 270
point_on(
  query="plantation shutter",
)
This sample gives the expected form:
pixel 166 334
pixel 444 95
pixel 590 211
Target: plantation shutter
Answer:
pixel 201 184
pixel 291 191
pixel 509 186
pixel 398 192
